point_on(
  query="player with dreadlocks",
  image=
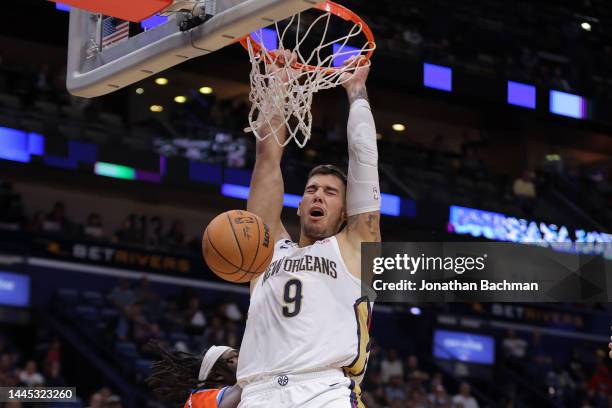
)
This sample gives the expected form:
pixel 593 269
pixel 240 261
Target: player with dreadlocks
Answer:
pixel 207 380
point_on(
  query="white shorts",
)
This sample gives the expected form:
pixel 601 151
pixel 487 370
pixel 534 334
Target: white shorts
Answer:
pixel 319 389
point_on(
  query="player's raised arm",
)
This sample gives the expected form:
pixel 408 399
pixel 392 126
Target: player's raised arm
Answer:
pixel 363 192
pixel 266 192
pixel 267 188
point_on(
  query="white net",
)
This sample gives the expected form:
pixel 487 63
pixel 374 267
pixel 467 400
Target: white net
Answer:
pixel 281 94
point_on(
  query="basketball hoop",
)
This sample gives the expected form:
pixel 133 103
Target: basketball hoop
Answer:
pixel 317 66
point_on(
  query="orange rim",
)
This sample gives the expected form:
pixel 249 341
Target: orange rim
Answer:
pixel 337 10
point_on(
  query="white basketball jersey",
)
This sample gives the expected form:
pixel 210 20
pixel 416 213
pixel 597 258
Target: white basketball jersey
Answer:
pixel 306 313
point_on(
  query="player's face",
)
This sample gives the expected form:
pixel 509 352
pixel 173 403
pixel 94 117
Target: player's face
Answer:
pixel 230 358
pixel 322 209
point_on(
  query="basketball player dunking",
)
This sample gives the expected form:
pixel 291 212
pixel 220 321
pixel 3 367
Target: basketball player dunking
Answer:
pixel 306 342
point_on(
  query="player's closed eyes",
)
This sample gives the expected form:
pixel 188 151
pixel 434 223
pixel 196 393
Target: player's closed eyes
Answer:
pixel 328 191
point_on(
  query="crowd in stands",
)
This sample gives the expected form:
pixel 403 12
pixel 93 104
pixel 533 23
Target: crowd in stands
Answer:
pixel 395 378
pixel 542 42
pixel 451 171
pixel 538 42
pixel 119 324
pixel 41 366
pixel 144 315
pixel 104 398
pixel 585 380
pixel 432 172
pixel 17 369
pixel 210 131
pixel 144 231
pixel 190 322
pixel 400 383
pixel 185 323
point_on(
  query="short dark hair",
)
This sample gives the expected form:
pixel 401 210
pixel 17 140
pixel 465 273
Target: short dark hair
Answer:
pixel 325 169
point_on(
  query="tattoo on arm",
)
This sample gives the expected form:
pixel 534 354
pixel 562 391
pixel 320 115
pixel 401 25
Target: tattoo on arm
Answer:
pixel 373 224
pixel 357 93
pixel 371 221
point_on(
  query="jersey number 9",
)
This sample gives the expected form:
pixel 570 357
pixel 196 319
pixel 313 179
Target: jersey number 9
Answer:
pixel 292 294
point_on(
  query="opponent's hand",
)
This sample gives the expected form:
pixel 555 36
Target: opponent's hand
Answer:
pixel 610 347
pixel 355 77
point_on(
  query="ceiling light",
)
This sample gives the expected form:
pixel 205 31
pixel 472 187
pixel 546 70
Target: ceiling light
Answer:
pixel 139 91
pixel 180 99
pixel 206 90
pixel 161 81
pixel 156 108
pixel 398 127
pixel 586 26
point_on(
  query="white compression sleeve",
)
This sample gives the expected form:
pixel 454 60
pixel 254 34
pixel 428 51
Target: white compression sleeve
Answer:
pixel 363 192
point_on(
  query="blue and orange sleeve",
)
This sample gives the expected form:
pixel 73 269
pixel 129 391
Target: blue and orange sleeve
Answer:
pixel 205 398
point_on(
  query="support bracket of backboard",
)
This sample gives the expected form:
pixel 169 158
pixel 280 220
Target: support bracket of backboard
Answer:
pixel 138 57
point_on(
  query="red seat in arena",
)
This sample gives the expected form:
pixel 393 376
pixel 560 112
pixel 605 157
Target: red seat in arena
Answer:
pixel 130 10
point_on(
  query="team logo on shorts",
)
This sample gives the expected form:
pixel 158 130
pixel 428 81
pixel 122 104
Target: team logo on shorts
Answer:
pixel 283 380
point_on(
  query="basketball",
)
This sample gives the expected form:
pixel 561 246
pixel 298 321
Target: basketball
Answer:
pixel 237 246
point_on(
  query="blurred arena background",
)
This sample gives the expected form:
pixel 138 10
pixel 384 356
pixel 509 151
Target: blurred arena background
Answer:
pixel 482 107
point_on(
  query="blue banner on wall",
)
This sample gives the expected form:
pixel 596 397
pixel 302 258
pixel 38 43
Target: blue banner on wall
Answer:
pixel 464 347
pixel 14 289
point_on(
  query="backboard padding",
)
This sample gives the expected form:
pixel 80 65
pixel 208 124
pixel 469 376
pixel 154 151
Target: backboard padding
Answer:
pixel 132 10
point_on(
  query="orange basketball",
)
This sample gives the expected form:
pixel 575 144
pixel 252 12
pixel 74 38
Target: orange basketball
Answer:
pixel 237 246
